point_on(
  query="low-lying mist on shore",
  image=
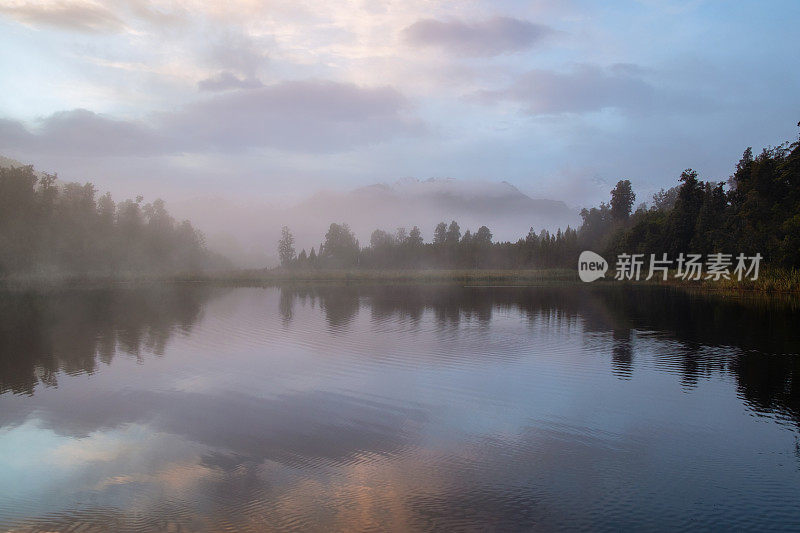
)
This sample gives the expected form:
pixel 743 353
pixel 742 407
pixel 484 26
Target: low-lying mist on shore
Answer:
pixel 246 230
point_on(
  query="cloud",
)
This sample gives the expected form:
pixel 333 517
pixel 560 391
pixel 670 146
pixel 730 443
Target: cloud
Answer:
pixel 13 134
pixel 585 88
pixel 239 53
pixel 227 80
pixel 310 115
pixel 490 37
pixel 303 116
pixel 82 132
pixel 159 14
pixel 75 16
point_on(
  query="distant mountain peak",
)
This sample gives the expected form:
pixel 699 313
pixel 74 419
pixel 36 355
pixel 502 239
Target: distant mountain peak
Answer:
pixel 446 186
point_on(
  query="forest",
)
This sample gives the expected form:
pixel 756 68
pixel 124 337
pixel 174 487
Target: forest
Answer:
pixel 756 211
pixel 51 228
pixel 48 227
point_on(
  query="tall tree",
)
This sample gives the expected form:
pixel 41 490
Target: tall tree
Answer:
pixel 483 237
pixel 286 247
pixel 622 198
pixel 683 217
pixel 381 239
pixel 453 234
pixel 340 249
pixel 415 237
pixel 440 233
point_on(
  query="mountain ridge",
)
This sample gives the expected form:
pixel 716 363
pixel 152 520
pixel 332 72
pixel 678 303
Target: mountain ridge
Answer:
pixel 450 196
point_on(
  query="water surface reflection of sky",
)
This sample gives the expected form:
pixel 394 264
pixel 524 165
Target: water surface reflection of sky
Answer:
pixel 414 408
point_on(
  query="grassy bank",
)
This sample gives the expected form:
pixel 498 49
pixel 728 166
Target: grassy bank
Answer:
pixel 769 281
pixel 281 276
pixel 467 277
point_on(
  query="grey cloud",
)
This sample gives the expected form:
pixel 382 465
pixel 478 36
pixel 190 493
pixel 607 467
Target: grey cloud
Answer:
pixel 13 134
pixel 82 132
pixel 311 115
pixel 585 88
pixel 82 17
pixel 227 80
pixel 304 116
pixel 485 38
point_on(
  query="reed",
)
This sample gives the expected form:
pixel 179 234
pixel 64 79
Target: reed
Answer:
pixel 770 280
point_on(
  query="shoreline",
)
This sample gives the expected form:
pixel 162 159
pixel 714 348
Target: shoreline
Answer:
pixel 771 281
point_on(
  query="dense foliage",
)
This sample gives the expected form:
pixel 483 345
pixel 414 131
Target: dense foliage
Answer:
pixel 450 249
pixel 758 212
pixel 50 228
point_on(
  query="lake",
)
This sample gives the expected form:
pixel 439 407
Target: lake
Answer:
pixel 194 408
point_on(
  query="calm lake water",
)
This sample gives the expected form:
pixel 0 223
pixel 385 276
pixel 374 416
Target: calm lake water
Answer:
pixel 409 408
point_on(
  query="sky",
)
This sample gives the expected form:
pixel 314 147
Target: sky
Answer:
pixel 280 98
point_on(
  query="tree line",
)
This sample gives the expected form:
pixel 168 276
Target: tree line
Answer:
pixel 450 248
pixel 756 211
pixel 49 228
